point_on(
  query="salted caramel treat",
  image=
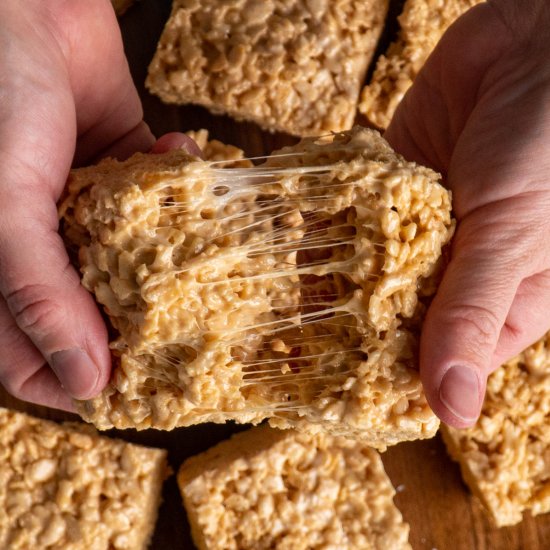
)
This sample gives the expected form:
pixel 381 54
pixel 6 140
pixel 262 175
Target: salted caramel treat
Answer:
pixel 422 24
pixel 267 488
pixel 293 290
pixel 505 457
pixel 62 487
pixel 121 5
pixel 295 67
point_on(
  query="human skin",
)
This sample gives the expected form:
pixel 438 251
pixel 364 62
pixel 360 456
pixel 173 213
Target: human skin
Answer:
pixel 479 112
pixel 66 98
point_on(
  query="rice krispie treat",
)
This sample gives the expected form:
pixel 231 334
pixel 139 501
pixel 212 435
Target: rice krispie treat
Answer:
pixel 66 488
pixel 293 290
pixel 423 23
pixel 505 457
pixel 295 66
pixel 267 488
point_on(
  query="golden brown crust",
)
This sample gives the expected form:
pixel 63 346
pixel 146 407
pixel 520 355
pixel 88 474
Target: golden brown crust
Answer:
pixel 505 457
pixel 267 488
pixel 287 291
pixel 66 488
pixel 423 23
pixel 295 67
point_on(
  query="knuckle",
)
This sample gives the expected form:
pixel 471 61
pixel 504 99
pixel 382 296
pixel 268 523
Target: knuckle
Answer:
pixel 33 309
pixel 10 335
pixel 479 324
pixel 19 359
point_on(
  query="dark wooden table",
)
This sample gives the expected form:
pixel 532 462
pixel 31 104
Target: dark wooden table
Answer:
pixel 432 496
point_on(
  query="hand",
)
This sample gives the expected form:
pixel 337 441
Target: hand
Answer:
pixel 479 112
pixel 65 95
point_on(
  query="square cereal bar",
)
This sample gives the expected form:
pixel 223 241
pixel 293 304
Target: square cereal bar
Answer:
pixel 63 487
pixel 423 23
pixel 505 457
pixel 294 66
pixel 293 290
pixel 267 488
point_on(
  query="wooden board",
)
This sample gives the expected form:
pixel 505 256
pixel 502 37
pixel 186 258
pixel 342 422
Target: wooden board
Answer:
pixel 432 497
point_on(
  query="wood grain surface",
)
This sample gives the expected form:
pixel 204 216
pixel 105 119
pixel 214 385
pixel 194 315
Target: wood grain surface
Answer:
pixel 431 494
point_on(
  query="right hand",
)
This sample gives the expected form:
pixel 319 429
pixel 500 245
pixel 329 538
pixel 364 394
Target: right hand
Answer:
pixel 479 113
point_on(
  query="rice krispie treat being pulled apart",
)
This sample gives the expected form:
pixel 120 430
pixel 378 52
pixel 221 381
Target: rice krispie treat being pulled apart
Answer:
pixel 505 457
pixel 66 488
pixel 423 23
pixel 267 488
pixel 293 290
pixel 295 66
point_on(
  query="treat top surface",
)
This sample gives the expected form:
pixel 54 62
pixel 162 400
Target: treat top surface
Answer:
pixel 295 66
pixel 507 453
pixel 66 488
pixel 285 490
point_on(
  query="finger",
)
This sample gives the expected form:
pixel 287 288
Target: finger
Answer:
pixel 43 388
pixel 464 321
pixel 108 107
pixel 45 298
pixel 176 140
pixel 23 371
pixel 528 319
pixel 139 139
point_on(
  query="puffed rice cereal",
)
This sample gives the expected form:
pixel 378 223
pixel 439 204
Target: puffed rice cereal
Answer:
pixel 293 290
pixel 62 487
pixel 295 66
pixel 267 488
pixel 423 23
pixel 505 457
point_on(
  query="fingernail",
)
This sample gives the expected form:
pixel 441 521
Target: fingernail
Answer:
pixel 459 392
pixel 77 373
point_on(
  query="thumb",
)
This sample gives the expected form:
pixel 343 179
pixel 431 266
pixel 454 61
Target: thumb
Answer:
pixel 44 296
pixel 464 321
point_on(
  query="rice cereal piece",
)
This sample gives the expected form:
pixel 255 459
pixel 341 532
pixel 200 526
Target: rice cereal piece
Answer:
pixel 293 290
pixel 292 66
pixel 423 23
pixel 267 488
pixel 62 487
pixel 505 457
pixel 214 150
